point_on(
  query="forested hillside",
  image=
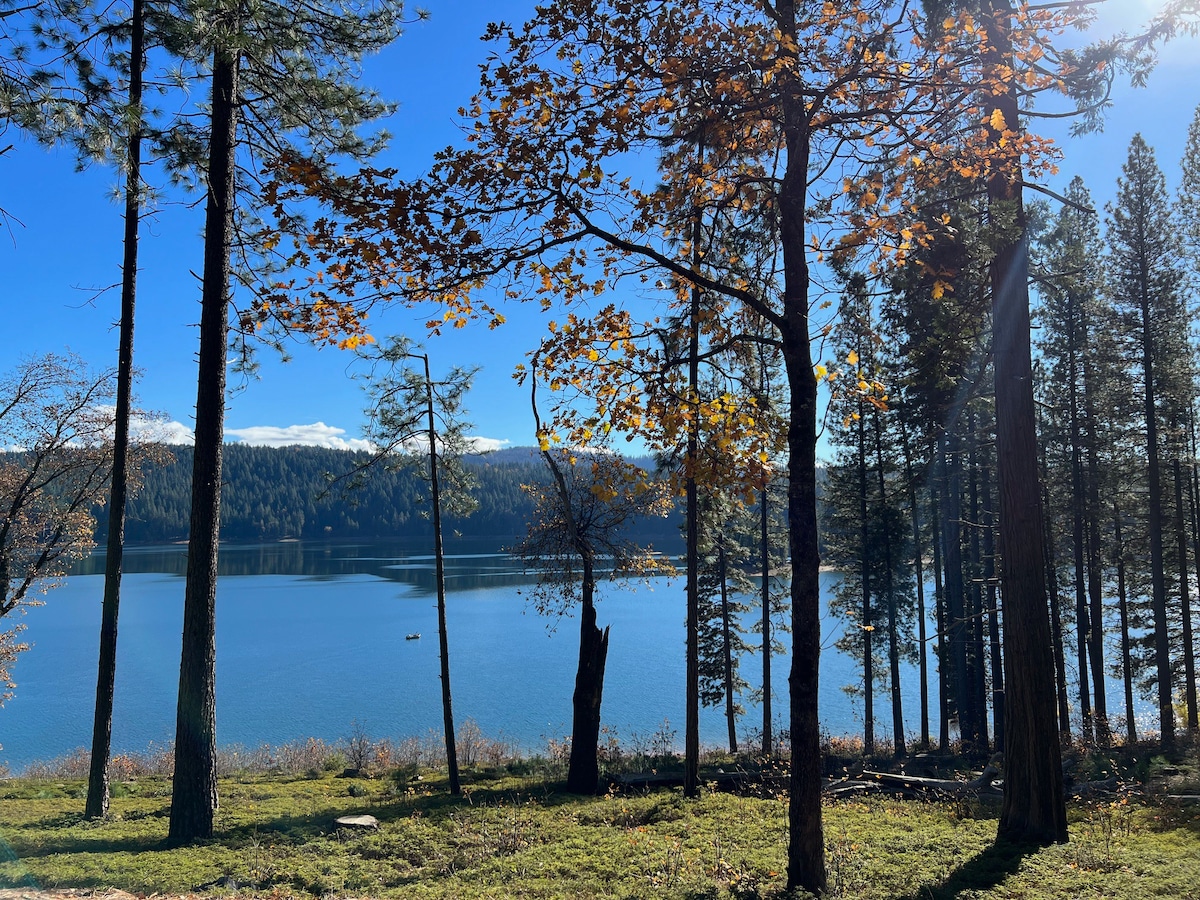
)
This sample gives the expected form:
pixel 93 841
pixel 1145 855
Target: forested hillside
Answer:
pixel 271 493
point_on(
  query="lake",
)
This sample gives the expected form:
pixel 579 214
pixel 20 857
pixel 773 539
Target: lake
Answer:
pixel 311 637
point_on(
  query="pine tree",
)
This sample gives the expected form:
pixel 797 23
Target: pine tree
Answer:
pixel 865 532
pixel 409 407
pixel 941 322
pixel 725 539
pixel 1145 281
pixel 282 77
pixel 1075 320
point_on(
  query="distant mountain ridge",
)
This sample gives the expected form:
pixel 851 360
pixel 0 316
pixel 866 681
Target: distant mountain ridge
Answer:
pixel 277 493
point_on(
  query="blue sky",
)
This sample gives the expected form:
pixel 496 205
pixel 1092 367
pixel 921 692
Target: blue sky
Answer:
pixel 63 242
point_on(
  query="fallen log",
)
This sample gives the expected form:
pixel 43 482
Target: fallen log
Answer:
pixel 848 788
pixel 734 780
pixel 916 785
pixel 1088 788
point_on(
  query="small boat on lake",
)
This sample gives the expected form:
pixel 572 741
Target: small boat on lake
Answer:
pixel 415 636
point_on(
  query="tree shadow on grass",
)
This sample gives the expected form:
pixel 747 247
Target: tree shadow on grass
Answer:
pixel 69 833
pixel 981 873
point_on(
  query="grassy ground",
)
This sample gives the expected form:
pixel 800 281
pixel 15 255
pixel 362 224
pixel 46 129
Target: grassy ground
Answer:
pixel 520 836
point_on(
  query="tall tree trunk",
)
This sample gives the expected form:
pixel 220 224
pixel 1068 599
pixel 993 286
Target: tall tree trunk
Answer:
pixel 867 626
pixel 1095 569
pixel 97 798
pixel 439 559
pixel 993 611
pixel 1193 480
pixel 1082 624
pixel 1034 808
pixel 583 774
pixel 919 573
pixel 1158 583
pixel 939 606
pixel 1194 508
pixel 194 787
pixel 975 613
pixel 727 637
pixel 691 735
pixel 890 593
pixel 806 837
pixel 1123 611
pixel 1185 603
pixel 764 540
pixel 956 624
pixel 1056 636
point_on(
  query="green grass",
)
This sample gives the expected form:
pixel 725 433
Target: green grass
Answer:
pixel 515 836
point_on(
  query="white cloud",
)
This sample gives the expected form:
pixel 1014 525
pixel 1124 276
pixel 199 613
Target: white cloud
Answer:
pixel 318 434
pixel 474 444
pixel 166 432
pixel 486 444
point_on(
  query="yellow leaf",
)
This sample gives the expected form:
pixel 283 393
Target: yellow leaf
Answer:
pixel 997 120
pixel 852 358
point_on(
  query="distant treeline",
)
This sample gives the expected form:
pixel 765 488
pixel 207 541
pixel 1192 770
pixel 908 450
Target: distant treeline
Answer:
pixel 272 493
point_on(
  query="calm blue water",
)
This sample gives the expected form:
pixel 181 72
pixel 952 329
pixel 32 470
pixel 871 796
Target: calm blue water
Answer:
pixel 318 640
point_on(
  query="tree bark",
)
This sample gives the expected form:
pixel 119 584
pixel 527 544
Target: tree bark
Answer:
pixel 583 773
pixel 1082 617
pixel 1158 583
pixel 96 805
pixel 194 787
pixel 993 611
pixel 1095 570
pixel 1123 611
pixel 977 657
pixel 1034 808
pixel 956 625
pixel 939 607
pixel 439 560
pixel 898 747
pixel 806 841
pixel 1185 602
pixel 727 638
pixel 1193 480
pixel 691 731
pixel 867 626
pixel 918 569
pixel 1056 637
pixel 764 538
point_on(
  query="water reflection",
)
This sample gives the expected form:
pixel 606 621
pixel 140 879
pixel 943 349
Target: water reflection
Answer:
pixel 470 563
